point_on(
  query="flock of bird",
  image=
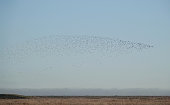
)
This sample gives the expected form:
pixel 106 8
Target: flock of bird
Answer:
pixel 61 45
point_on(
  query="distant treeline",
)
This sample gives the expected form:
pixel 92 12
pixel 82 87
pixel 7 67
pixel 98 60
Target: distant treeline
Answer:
pixel 12 96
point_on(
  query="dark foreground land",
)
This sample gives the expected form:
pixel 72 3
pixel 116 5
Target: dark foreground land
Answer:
pixel 12 99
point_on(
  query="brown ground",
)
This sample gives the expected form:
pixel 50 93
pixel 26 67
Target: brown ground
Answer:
pixel 86 100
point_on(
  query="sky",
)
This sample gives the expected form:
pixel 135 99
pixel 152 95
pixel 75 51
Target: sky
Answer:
pixel 24 23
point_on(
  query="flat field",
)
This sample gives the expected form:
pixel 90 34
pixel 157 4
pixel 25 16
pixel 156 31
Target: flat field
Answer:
pixel 89 100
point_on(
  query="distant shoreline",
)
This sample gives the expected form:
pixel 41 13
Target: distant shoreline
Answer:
pixel 17 96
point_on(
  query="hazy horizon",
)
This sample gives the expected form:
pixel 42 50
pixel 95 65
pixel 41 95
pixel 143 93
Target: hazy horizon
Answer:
pixel 87 92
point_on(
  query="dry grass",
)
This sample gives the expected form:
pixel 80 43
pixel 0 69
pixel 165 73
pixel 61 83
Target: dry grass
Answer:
pixel 88 101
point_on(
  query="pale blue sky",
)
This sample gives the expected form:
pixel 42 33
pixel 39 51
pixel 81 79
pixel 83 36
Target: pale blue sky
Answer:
pixel 145 21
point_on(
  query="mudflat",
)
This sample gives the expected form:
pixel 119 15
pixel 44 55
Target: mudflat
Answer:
pixel 86 100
